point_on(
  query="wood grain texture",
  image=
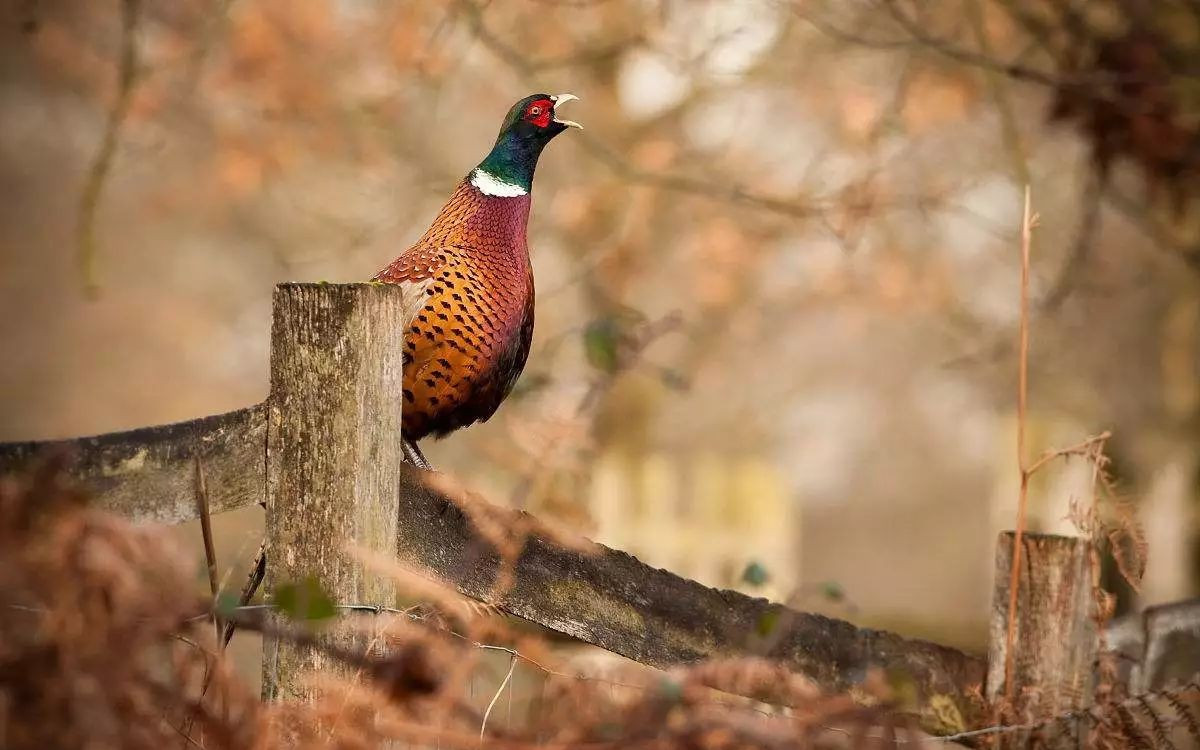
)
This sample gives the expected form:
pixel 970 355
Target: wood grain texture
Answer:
pixel 333 452
pixel 149 474
pixel 610 599
pixel 1056 638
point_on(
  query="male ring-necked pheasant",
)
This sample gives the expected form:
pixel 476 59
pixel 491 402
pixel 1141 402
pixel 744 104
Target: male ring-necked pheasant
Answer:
pixel 469 284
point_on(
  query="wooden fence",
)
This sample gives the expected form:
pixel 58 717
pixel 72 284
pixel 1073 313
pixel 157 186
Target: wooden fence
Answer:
pixel 323 455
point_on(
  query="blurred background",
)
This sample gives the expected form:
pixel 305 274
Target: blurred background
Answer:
pixel 778 273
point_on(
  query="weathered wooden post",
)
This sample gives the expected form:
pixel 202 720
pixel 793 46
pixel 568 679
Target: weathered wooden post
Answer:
pixel 1056 641
pixel 333 452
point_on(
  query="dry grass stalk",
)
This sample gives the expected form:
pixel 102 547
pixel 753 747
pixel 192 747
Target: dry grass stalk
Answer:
pixel 1028 221
pixel 1121 533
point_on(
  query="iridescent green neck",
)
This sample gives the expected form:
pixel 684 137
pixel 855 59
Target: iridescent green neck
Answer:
pixel 513 160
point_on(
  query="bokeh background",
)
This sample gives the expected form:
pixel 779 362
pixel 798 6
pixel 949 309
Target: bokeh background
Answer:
pixel 778 273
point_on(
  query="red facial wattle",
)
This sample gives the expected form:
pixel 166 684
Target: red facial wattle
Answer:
pixel 540 112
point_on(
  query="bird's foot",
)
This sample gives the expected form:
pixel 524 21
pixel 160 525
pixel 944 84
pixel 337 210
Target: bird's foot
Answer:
pixel 414 456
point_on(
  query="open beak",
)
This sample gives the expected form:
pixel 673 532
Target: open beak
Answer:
pixel 560 99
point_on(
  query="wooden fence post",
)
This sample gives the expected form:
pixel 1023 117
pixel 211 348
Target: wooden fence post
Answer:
pixel 333 453
pixel 1056 643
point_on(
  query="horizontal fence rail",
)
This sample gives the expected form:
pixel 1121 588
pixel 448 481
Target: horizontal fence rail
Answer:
pixel 149 474
pixel 610 599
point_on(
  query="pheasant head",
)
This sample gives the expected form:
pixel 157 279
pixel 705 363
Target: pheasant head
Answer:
pixel 531 123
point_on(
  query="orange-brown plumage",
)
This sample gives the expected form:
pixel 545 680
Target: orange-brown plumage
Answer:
pixel 472 314
pixel 469 284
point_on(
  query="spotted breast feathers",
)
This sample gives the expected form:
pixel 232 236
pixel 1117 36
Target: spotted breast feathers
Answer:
pixel 469 303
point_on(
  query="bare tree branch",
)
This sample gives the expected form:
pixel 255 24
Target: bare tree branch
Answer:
pixel 89 199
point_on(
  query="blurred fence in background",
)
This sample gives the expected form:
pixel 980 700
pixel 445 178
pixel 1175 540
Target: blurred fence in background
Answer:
pixel 702 515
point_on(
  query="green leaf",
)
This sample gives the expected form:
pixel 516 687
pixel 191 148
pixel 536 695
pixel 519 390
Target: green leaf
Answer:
pixel 833 591
pixel 755 574
pixel 305 600
pixel 600 344
pixel 608 338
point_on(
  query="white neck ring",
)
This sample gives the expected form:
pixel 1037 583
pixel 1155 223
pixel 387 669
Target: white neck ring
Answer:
pixel 489 184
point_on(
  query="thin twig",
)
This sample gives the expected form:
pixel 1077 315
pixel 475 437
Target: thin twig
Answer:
pixel 210 550
pixel 947 49
pixel 210 556
pixel 185 733
pixel 512 664
pixel 257 572
pixel 1027 222
pixel 93 186
pixel 1083 448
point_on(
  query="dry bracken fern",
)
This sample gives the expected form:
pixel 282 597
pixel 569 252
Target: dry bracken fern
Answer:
pixel 103 644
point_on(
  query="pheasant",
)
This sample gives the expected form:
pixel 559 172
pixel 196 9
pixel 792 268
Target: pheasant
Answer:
pixel 469 285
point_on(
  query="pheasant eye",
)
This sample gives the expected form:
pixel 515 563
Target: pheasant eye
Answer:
pixel 535 111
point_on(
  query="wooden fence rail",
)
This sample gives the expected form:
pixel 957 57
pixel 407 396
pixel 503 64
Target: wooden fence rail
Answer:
pixel 322 454
pixel 149 474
